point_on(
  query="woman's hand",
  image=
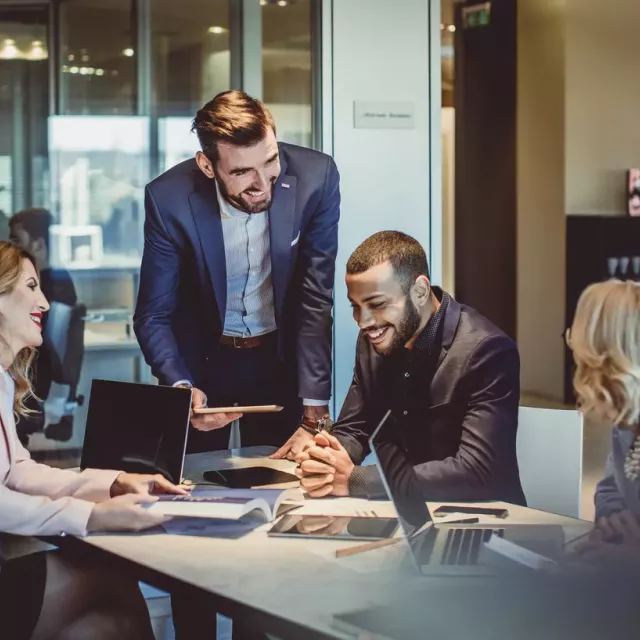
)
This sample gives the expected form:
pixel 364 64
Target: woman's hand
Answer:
pixel 124 513
pixel 144 484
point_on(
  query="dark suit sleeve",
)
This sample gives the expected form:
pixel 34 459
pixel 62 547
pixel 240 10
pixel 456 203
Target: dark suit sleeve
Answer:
pixel 351 427
pixel 487 445
pixel 157 299
pixel 318 249
pixel 608 499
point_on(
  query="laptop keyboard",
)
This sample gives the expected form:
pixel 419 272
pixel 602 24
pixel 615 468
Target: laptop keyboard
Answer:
pixel 463 545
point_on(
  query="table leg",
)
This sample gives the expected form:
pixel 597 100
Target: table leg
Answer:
pixel 234 435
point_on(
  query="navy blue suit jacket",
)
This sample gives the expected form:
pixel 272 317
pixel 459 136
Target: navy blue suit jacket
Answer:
pixel 181 303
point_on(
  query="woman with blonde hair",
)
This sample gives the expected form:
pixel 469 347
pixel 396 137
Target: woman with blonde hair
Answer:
pixel 43 595
pixel 605 340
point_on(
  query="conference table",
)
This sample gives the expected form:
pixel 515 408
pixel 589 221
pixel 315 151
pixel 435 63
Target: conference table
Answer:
pixel 290 588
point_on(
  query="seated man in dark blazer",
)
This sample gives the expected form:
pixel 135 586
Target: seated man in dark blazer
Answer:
pixel 450 377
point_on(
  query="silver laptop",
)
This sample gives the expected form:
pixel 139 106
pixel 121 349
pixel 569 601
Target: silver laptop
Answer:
pixel 440 548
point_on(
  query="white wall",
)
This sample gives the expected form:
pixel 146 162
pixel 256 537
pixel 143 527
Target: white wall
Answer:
pixel 380 52
pixel 602 103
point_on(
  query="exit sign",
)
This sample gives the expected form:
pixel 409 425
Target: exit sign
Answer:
pixel 477 15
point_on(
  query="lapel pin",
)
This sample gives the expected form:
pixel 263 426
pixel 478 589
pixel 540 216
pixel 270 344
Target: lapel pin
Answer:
pixel 284 185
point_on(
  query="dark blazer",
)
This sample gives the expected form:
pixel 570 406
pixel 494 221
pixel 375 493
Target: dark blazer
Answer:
pixel 463 440
pixel 181 303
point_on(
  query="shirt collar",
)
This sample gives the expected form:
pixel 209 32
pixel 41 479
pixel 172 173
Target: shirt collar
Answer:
pixel 227 210
pixel 427 338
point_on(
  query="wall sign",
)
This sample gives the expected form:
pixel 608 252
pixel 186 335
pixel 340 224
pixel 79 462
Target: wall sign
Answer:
pixel 384 115
pixel 477 15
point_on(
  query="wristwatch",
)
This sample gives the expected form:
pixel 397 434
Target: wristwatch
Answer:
pixel 316 426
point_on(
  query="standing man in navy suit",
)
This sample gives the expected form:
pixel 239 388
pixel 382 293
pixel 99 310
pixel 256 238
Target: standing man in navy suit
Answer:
pixel 236 287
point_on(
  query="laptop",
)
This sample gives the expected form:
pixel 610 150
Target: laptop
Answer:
pixel 138 428
pixel 443 549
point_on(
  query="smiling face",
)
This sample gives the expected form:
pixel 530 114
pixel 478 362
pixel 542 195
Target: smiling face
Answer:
pixel 388 315
pixel 246 175
pixel 22 309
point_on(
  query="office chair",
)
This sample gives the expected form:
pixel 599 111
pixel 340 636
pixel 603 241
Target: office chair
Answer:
pixel 64 340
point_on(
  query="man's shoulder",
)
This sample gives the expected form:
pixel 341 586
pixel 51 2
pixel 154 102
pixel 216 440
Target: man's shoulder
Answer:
pixel 302 161
pixel 181 177
pixel 475 329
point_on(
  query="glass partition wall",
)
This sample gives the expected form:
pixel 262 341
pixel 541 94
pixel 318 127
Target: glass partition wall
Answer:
pixel 96 99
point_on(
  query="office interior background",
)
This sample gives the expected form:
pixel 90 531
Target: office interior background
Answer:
pixel 522 125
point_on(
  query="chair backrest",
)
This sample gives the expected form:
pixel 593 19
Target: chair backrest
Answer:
pixel 549 449
pixel 64 340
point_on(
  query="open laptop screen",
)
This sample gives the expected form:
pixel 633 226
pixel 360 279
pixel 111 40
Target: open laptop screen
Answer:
pixel 138 428
pixel 398 476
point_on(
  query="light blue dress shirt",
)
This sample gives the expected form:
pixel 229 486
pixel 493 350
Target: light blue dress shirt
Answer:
pixel 247 251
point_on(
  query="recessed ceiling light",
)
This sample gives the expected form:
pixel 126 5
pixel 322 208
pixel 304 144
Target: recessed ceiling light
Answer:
pixel 217 30
pixel 74 70
pixel 129 53
pixel 99 72
pixel 452 28
pixel 282 3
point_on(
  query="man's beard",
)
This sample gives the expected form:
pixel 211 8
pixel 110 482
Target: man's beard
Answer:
pixel 406 329
pixel 241 204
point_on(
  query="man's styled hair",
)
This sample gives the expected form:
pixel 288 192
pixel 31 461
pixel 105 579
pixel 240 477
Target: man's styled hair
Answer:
pixel 233 117
pixel 36 222
pixel 406 255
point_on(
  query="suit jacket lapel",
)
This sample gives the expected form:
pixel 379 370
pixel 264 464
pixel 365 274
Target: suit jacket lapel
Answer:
pixel 206 214
pixel 281 226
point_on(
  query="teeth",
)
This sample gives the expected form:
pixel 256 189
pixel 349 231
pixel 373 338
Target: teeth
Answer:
pixel 376 334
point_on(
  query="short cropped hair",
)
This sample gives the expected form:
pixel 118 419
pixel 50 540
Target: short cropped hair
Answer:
pixel 36 222
pixel 406 255
pixel 233 117
pixel 605 340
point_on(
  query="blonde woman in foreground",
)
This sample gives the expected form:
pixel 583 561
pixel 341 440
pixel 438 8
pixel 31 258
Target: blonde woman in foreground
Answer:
pixel 43 595
pixel 605 340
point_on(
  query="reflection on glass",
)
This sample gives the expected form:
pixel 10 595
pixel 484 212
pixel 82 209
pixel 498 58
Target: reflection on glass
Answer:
pixel 97 57
pixel 99 167
pixel 24 103
pixel 286 68
pixel 175 141
pixel 190 44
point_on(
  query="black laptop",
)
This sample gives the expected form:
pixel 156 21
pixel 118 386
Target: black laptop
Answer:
pixel 138 428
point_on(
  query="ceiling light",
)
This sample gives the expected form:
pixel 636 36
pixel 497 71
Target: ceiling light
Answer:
pixel 263 3
pixel 282 3
pixel 9 50
pixel 99 72
pixel 129 53
pixel 441 27
pixel 74 70
pixel 84 71
pixel 217 30
pixel 452 28
pixel 71 57
pixel 37 51
pixel 90 70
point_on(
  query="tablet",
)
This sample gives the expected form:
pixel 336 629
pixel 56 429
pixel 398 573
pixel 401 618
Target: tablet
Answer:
pixel 264 408
pixel 248 477
pixel 334 527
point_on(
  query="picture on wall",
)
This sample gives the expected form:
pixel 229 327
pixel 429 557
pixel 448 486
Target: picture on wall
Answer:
pixel 633 192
